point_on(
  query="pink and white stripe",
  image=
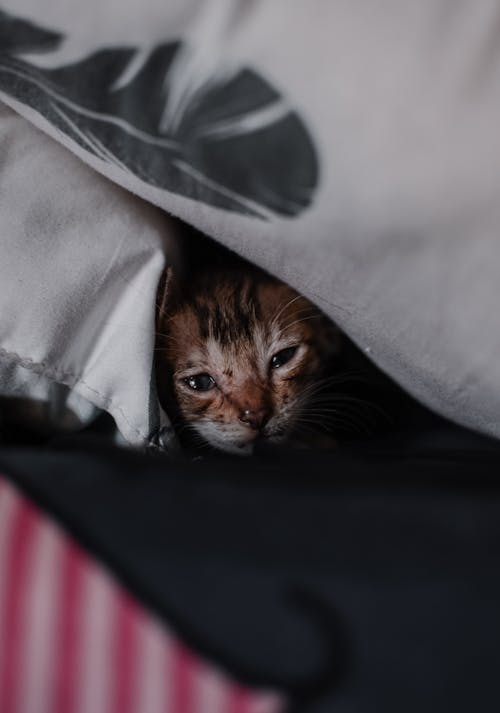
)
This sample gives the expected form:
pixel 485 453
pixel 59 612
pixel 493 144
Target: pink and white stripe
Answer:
pixel 72 640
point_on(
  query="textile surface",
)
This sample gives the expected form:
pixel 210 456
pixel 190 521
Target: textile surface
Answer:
pixel 79 269
pixel 72 640
pixel 352 150
pixel 361 580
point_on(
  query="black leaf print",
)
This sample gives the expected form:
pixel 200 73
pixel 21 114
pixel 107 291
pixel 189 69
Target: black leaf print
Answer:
pixel 235 143
pixel 18 35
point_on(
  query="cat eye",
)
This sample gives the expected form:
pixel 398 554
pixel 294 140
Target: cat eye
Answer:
pixel 282 357
pixel 199 382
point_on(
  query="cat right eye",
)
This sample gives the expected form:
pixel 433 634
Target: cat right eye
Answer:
pixel 282 357
pixel 199 382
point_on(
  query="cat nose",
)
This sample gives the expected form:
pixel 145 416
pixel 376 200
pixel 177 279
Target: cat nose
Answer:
pixel 255 419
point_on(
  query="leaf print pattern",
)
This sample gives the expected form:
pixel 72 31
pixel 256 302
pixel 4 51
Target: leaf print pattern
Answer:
pixel 235 144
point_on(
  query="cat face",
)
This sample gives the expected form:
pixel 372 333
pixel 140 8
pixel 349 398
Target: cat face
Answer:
pixel 240 352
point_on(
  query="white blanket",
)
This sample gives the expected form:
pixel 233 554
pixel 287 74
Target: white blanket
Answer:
pixel 350 148
pixel 80 264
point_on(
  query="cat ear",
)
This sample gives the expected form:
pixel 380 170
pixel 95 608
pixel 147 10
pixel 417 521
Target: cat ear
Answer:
pixel 167 292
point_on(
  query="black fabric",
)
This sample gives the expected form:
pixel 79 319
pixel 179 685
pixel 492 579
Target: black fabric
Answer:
pixel 361 580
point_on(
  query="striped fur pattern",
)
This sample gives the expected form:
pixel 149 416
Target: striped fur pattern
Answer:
pixel 239 350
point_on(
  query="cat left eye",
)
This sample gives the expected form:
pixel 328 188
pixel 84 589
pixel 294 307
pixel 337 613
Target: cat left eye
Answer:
pixel 199 382
pixel 282 357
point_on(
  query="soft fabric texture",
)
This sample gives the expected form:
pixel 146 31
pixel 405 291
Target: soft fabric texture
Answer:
pixel 79 268
pixel 350 148
pixel 72 640
pixel 359 581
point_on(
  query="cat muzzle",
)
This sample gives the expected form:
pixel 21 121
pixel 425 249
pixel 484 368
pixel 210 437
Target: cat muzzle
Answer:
pixel 256 420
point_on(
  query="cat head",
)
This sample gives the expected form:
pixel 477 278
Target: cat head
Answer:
pixel 239 350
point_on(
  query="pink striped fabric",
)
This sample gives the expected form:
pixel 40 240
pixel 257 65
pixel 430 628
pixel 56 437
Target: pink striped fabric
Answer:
pixel 73 641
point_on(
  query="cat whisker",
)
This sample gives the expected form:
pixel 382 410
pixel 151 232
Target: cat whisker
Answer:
pixel 196 440
pixel 326 413
pixel 283 308
pixel 320 392
pixel 325 422
pixel 336 379
pixel 311 393
pixel 347 400
pixel 296 313
pixel 352 423
pixel 163 335
pixel 366 408
pixel 360 409
pixel 172 340
pixel 297 321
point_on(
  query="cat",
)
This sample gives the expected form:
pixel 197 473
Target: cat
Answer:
pixel 240 355
pixel 244 362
